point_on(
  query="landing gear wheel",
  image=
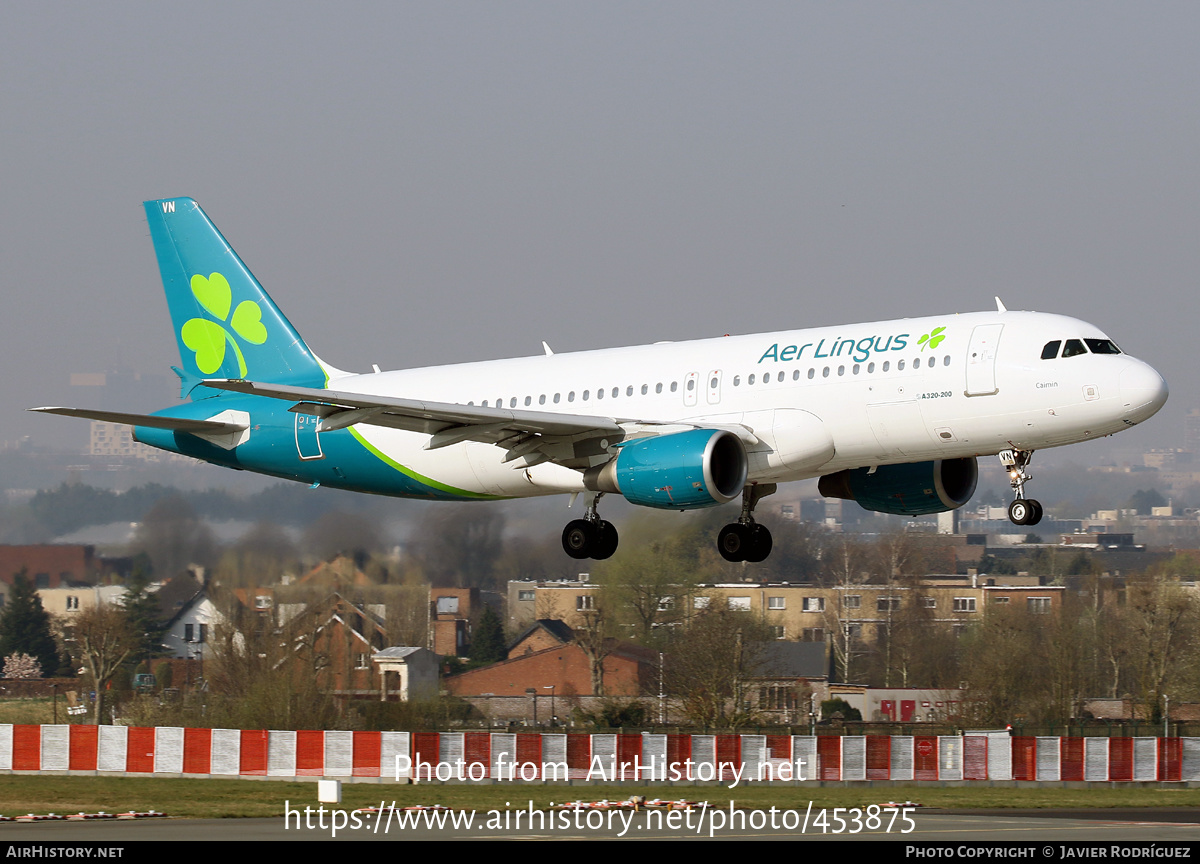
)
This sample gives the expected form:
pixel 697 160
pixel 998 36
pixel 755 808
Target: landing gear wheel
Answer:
pixel 578 538
pixel 606 541
pixel 759 545
pixel 1020 512
pixel 1035 515
pixel 732 542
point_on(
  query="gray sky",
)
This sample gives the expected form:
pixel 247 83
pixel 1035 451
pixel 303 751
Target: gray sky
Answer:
pixel 422 183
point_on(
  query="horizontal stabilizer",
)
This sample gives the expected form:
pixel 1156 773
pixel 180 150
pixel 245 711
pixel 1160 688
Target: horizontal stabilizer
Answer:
pixel 151 421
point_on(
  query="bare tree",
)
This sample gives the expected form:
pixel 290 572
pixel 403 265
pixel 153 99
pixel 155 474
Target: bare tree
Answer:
pixel 105 640
pixel 713 662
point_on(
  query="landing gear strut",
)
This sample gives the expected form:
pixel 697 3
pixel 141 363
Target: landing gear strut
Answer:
pixel 591 536
pixel 1022 511
pixel 745 539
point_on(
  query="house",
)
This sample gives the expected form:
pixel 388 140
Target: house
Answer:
pixel 189 615
pixel 415 671
pixel 540 635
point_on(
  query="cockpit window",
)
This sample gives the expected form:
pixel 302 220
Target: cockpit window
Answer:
pixel 1073 348
pixel 1051 349
pixel 1102 346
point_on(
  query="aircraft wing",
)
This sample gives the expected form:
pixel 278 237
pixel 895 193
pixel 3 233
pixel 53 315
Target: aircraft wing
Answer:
pixel 539 436
pixel 571 440
pixel 179 424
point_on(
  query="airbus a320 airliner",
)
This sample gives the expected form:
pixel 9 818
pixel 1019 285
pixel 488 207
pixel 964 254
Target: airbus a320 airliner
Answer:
pixel 891 414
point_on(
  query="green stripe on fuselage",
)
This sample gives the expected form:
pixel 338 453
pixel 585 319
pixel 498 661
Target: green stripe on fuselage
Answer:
pixel 421 478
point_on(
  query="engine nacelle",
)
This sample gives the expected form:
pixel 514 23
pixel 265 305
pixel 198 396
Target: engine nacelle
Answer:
pixel 906 490
pixel 681 471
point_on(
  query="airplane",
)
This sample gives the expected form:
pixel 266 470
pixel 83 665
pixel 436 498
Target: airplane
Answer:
pixel 891 414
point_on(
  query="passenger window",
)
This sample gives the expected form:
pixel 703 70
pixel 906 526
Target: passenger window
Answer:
pixel 917 363
pixel 484 403
pixel 599 393
pixel 750 380
pixel 899 365
pixel 737 379
pixel 512 403
pixel 658 388
pixel 946 360
pixel 528 399
pixel 796 375
pixel 585 395
pixel 674 386
pixel 812 373
pixel 855 368
pixel 1102 346
pixel 616 390
pixel 1050 351
pixel 645 389
pixel 1073 348
pixel 825 372
pixel 712 385
pixel 870 368
pixel 542 399
pixel 571 396
pixel 841 370
pixel 629 390
pixel 556 396
pixel 887 364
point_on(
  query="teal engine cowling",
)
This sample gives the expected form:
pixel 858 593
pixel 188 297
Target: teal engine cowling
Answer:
pixel 906 490
pixel 680 471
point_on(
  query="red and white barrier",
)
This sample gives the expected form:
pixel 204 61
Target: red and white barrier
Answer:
pixel 622 758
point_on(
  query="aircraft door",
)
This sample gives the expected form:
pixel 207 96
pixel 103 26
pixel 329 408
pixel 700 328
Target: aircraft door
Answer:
pixel 981 360
pixel 690 385
pixel 308 442
pixel 714 387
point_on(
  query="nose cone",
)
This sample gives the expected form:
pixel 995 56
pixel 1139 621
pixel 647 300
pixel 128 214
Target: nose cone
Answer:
pixel 1143 391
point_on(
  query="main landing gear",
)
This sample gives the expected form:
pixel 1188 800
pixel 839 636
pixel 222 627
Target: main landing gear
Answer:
pixel 591 536
pixel 1022 511
pixel 745 539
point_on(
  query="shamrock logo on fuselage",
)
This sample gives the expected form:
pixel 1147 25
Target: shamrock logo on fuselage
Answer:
pixel 208 338
pixel 932 339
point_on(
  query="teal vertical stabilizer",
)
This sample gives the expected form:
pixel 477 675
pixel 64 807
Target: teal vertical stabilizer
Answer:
pixel 226 325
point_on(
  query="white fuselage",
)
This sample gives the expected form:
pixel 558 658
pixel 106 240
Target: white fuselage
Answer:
pixel 807 402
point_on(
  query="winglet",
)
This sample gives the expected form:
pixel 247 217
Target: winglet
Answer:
pixel 546 348
pixel 1000 306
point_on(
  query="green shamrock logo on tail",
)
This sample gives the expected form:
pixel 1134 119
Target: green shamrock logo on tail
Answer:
pixel 932 339
pixel 208 338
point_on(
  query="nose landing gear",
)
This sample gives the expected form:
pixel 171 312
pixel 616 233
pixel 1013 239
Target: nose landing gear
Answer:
pixel 591 536
pixel 1022 511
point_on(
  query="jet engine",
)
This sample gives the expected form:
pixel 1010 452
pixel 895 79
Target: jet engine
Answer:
pixel 907 490
pixel 680 471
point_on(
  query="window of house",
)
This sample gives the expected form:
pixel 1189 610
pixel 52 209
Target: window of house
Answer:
pixel 1039 605
pixel 1000 599
pixel 526 595
pixel 887 604
pixel 72 603
pixel 360 661
pixel 187 632
pixel 776 603
pixel 447 605
pixel 930 602
pixel 964 604
pixel 666 604
pixel 814 604
pixel 813 634
pixel 700 603
pixel 739 604
pixel 852 601
pixel 778 632
pixel 584 602
pixel 262 601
